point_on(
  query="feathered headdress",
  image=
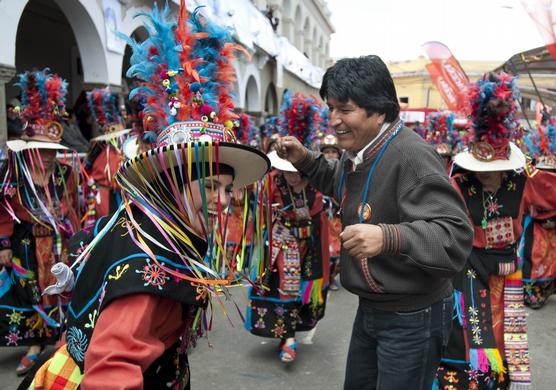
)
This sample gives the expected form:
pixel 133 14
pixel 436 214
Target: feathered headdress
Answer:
pixel 542 148
pixel 186 73
pixel 493 107
pixel 186 77
pixel 246 132
pixel 439 131
pixel 103 105
pixel 300 117
pixel 493 101
pixel 43 97
pixel 327 136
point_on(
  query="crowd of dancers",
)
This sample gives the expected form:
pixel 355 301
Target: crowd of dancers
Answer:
pixel 184 197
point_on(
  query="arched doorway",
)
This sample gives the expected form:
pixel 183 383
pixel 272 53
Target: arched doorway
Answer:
pixel 60 35
pixel 271 100
pixel 132 108
pixel 139 35
pixel 252 96
pixel 45 39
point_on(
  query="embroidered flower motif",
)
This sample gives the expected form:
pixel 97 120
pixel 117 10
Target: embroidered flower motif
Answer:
pixel 12 338
pixel 153 275
pixel 474 375
pixel 475 328
pixel 493 207
pixel 471 274
pixel 261 312
pixel 77 343
pixel 279 329
pixel 15 317
pixel 451 377
pixel 280 311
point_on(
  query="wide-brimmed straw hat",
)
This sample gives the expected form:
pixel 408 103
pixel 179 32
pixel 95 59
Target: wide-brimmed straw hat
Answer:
pixel 186 146
pixel 18 145
pixel 494 126
pixel 468 160
pixel 42 110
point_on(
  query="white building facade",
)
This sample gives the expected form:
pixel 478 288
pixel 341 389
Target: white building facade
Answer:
pixel 75 39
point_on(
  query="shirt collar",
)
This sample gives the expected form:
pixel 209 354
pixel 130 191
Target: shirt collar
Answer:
pixel 359 157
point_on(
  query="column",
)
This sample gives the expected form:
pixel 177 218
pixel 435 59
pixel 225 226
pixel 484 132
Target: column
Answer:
pixel 6 74
pixel 308 47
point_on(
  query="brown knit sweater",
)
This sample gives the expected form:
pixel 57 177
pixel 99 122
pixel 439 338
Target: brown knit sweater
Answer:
pixel 427 234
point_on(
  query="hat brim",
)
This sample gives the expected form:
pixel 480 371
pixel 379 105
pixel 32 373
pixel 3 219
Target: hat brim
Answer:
pixel 18 145
pixel 516 161
pixel 249 164
pixel 109 136
pixel 280 163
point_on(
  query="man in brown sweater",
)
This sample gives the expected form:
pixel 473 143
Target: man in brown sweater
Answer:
pixel 405 231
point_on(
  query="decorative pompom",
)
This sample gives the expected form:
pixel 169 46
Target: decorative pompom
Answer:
pixel 195 87
pixel 43 97
pixel 493 106
pixel 300 117
pixel 206 110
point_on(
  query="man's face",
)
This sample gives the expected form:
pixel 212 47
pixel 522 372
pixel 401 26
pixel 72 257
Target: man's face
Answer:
pixel 353 127
pixel 214 187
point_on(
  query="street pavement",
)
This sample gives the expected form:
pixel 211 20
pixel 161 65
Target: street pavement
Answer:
pixel 233 359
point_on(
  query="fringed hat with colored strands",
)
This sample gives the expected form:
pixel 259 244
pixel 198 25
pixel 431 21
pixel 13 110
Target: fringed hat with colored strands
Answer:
pixel 103 105
pixel 42 109
pixel 439 131
pixel 246 132
pixel 186 77
pixel 326 135
pixel 493 102
pixel 299 118
pixel 270 132
pixel 541 145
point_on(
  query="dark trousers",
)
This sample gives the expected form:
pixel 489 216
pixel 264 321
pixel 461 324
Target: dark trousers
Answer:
pixel 397 350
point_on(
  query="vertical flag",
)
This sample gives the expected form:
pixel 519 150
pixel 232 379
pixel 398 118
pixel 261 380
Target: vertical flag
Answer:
pixel 447 75
pixel 543 14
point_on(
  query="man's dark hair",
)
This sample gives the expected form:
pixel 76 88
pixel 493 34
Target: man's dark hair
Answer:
pixel 365 80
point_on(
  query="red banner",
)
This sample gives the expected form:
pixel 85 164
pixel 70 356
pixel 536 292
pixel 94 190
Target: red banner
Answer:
pixel 448 76
pixel 444 88
pixel 543 14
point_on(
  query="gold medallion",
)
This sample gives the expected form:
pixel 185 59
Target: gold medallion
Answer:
pixel 367 212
